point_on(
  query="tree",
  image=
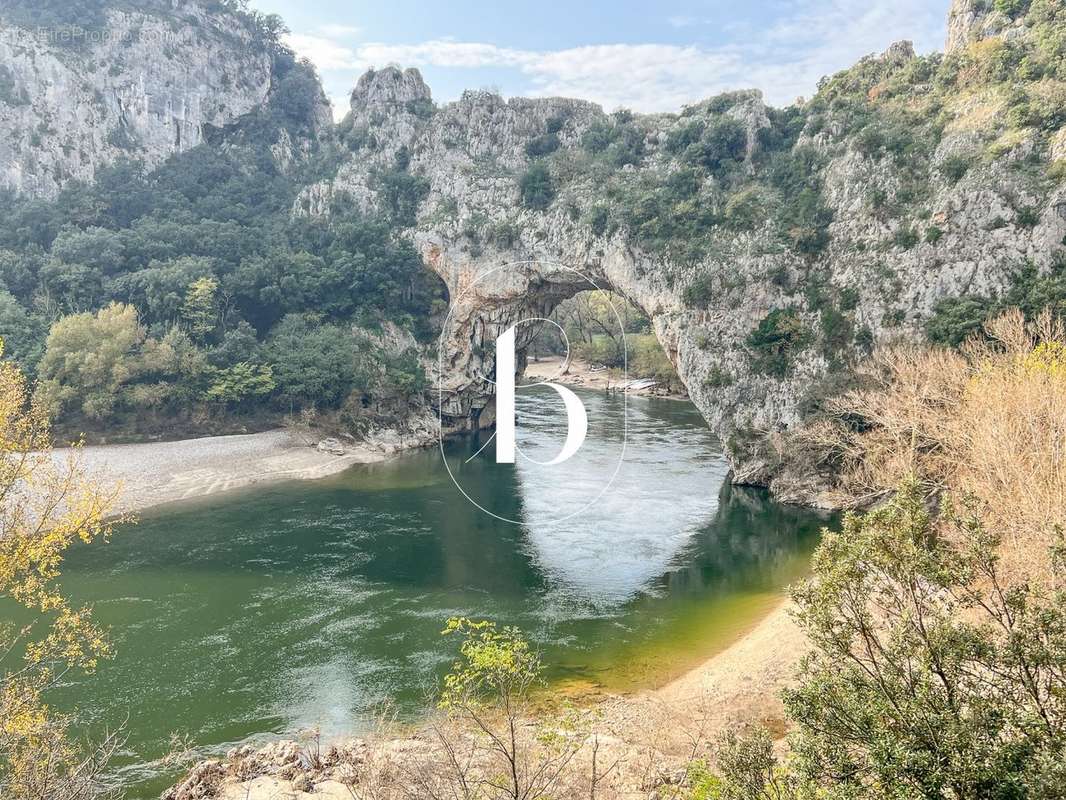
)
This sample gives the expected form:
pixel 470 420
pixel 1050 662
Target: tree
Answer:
pixel 775 341
pixel 929 676
pixel 25 332
pixel 240 383
pixel 89 358
pixel 488 688
pixel 537 187
pixel 46 503
pixel 200 309
pixel 313 364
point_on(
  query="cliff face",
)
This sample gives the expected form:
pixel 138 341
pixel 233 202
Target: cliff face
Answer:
pixel 143 85
pixel 886 264
pixel 772 249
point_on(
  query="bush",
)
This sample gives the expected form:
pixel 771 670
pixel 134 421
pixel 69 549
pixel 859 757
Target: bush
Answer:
pixel 745 209
pixel 955 167
pixel 775 341
pixel 699 293
pixel 542 145
pixel 1011 8
pixel 722 143
pixel 954 319
pixel 905 237
pixel 950 688
pixel 537 188
pixel 1028 217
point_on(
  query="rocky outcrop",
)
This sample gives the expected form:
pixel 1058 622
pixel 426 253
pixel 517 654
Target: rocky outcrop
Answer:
pixel 145 85
pixel 962 19
pixel 503 262
pixel 960 217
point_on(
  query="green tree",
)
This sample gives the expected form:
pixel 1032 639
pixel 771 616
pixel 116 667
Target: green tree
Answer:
pixel 775 341
pixel 536 187
pixel 24 333
pixel 89 358
pixel 313 364
pixel 240 384
pixel 930 677
pixel 200 309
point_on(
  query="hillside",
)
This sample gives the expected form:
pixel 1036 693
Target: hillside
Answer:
pixel 772 248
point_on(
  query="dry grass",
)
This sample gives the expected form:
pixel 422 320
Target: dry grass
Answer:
pixel 988 422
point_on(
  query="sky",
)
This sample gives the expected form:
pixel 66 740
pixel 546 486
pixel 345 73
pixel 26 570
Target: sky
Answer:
pixel 646 56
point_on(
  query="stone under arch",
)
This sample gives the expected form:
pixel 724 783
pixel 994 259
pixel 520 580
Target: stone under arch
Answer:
pixel 488 297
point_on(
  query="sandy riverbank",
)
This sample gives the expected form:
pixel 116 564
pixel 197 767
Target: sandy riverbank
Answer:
pixel 163 472
pixel 583 374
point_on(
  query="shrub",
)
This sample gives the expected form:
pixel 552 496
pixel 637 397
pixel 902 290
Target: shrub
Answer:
pixel 684 135
pixel 836 329
pixel 950 687
pixel 933 234
pixel 954 319
pixel 745 209
pixel 597 219
pixel 1011 8
pixel 542 145
pixel 537 188
pixel 598 136
pixel 955 167
pixel 717 378
pixel 722 143
pixel 1028 217
pixel 699 293
pixel 776 340
pixel 905 237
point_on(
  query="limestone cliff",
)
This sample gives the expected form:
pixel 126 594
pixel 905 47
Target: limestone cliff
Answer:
pixel 959 213
pixel 138 84
pixel 772 248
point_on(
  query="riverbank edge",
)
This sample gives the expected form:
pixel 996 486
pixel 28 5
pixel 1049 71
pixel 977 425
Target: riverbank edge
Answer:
pixel 740 683
pixel 650 735
pixel 153 474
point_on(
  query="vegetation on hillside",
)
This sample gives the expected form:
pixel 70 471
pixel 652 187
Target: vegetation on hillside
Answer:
pixel 152 297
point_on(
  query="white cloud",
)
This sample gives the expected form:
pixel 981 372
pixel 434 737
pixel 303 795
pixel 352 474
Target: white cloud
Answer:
pixel 815 38
pixel 323 52
pixel 339 31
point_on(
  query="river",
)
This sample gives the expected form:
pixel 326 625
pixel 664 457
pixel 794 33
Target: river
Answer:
pixel 268 611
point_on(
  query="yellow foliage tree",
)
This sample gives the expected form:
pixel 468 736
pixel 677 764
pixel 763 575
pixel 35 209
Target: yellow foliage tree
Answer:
pixel 47 502
pixel 987 422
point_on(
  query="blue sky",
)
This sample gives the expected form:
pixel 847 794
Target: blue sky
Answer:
pixel 646 56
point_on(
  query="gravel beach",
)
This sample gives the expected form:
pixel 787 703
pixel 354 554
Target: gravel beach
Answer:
pixel 162 472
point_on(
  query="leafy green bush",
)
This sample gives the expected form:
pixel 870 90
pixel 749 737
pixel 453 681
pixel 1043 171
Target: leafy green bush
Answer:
pixel 745 209
pixel 401 191
pixel 905 237
pixel 954 319
pixel 950 688
pixel 699 293
pixel 1028 217
pixel 955 167
pixel 722 143
pixel 543 145
pixel 1011 8
pixel 776 340
pixel 537 188
pixel 718 378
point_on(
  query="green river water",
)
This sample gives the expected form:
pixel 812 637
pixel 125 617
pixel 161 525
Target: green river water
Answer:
pixel 268 611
